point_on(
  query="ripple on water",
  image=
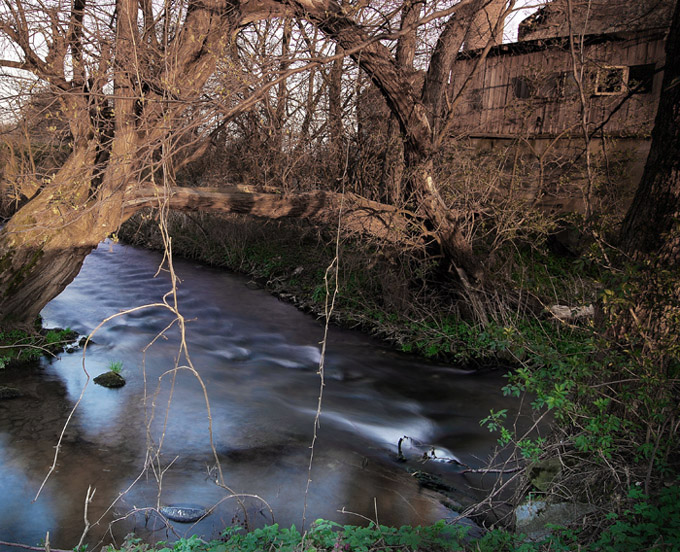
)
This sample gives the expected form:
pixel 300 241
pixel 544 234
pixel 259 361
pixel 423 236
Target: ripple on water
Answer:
pixel 297 357
pixel 232 354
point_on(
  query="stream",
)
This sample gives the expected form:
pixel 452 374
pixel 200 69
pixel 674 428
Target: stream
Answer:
pixel 256 361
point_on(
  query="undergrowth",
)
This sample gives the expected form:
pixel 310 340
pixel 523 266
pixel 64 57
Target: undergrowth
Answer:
pixel 19 346
pixel 611 391
pixel 646 525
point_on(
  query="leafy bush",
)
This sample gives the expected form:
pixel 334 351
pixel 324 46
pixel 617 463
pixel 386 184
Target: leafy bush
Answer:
pixel 647 524
pixel 20 346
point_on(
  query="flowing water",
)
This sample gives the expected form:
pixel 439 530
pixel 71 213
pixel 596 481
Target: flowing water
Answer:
pixel 258 360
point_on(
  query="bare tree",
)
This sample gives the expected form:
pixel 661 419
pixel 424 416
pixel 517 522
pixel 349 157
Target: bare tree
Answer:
pixel 129 75
pixel 122 74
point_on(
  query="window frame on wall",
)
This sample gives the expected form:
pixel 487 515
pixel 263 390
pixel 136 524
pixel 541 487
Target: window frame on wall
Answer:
pixel 605 86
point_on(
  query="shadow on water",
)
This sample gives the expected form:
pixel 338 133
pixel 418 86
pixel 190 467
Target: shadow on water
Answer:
pixel 258 358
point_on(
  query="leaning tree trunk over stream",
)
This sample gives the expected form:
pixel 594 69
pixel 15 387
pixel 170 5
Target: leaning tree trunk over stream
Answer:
pixel 359 215
pixel 44 244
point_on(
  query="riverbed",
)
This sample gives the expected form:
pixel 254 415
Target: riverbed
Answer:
pixel 229 428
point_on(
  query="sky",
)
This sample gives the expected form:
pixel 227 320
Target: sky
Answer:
pixel 525 8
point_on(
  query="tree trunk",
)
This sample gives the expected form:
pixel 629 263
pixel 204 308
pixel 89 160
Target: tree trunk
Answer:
pixel 44 244
pixel 651 227
pixel 393 163
pixel 359 215
pixel 335 124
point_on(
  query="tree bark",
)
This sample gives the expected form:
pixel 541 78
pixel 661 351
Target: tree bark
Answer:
pixel 359 215
pixel 335 112
pixel 43 245
pixel 394 162
pixel 651 228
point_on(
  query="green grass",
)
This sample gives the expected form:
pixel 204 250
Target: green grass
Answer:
pixel 18 346
pixel 116 366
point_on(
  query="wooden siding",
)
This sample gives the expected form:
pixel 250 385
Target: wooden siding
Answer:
pixel 489 105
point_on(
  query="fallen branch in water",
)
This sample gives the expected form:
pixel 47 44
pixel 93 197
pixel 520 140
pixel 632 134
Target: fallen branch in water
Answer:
pixel 492 470
pixel 39 548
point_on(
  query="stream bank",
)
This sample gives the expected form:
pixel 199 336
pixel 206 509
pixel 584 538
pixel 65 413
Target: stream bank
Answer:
pixel 392 293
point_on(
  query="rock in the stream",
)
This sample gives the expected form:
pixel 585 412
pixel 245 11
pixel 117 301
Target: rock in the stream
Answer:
pixel 83 340
pixel 412 449
pixel 534 517
pixel 183 514
pixel 7 392
pixel 110 379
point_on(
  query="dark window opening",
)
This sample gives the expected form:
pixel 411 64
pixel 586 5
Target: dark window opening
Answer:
pixel 641 78
pixel 558 85
pixel 611 81
pixel 477 99
pixel 521 88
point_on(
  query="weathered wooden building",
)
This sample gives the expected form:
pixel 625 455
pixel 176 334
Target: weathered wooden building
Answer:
pixel 530 88
pixel 530 99
pixel 598 65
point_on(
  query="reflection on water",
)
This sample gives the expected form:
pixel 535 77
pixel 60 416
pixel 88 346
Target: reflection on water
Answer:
pixel 258 359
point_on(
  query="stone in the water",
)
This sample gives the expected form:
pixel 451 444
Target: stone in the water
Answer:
pixel 9 392
pixel 534 517
pixel 83 340
pixel 110 379
pixel 183 514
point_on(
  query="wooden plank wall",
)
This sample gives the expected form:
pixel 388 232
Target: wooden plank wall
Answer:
pixel 488 106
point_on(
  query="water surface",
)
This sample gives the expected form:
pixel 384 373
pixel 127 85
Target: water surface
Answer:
pixel 257 359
